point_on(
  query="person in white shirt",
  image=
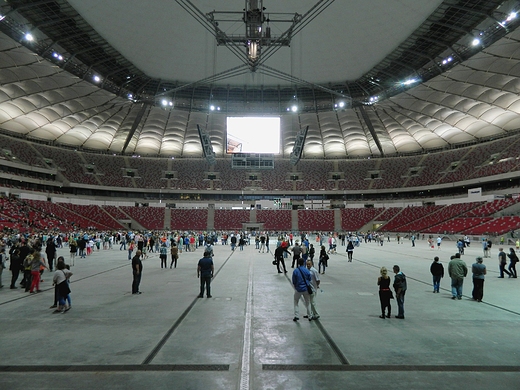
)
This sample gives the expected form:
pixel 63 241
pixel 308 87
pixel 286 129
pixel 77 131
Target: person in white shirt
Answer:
pixel 315 284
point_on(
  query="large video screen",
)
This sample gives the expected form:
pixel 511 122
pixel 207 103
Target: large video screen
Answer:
pixel 250 134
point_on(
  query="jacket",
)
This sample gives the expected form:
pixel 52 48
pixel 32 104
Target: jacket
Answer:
pixel 301 278
pixel 437 269
pixel 457 269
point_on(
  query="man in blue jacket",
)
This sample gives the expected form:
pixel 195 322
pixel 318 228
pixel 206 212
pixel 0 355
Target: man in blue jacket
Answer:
pixel 301 278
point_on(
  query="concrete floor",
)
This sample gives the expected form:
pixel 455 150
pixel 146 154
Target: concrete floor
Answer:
pixel 244 337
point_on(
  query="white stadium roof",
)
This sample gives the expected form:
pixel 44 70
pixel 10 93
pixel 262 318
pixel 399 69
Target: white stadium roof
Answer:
pixel 476 98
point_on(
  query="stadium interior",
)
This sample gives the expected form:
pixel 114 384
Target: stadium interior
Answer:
pixel 394 117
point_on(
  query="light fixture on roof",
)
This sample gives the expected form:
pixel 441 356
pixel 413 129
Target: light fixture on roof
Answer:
pixel 29 37
pixel 294 105
pixel 96 78
pixel 447 60
pixel 475 42
pixel 58 56
pixel 166 103
pixel 410 81
pixel 214 107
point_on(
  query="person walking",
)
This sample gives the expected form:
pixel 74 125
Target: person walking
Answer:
pixel 15 265
pixel 350 250
pixel 312 251
pixel 323 259
pixel 437 271
pixel 297 252
pixel 502 262
pixel 301 278
pixel 278 257
pixel 457 270
pixel 478 270
pixel 50 251
pixel 205 272
pixel 400 288
pixel 315 284
pixel 35 262
pixel 137 271
pixel 385 294
pixel 513 259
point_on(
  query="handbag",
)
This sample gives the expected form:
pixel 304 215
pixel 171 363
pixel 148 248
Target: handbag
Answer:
pixel 63 287
pixel 309 288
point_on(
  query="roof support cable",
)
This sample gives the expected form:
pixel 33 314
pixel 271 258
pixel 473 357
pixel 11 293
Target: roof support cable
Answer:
pixel 371 129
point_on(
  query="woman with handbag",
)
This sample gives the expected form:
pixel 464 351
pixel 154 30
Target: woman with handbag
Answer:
pixel 324 257
pixel 61 280
pixel 385 294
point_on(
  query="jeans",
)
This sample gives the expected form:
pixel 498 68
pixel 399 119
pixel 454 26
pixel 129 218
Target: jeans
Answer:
pixel 136 282
pixel 503 269
pixel 399 298
pixel 205 281
pixel 436 282
pixel 320 263
pixel 456 287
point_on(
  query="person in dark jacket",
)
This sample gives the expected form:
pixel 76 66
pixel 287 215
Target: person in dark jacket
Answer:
pixel 437 271
pixel 350 250
pixel 50 251
pixel 137 271
pixel 205 272
pixel 513 259
pixel 400 290
pixel 278 257
pixel 16 265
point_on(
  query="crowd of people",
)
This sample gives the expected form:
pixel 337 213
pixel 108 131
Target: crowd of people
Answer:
pixel 31 255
